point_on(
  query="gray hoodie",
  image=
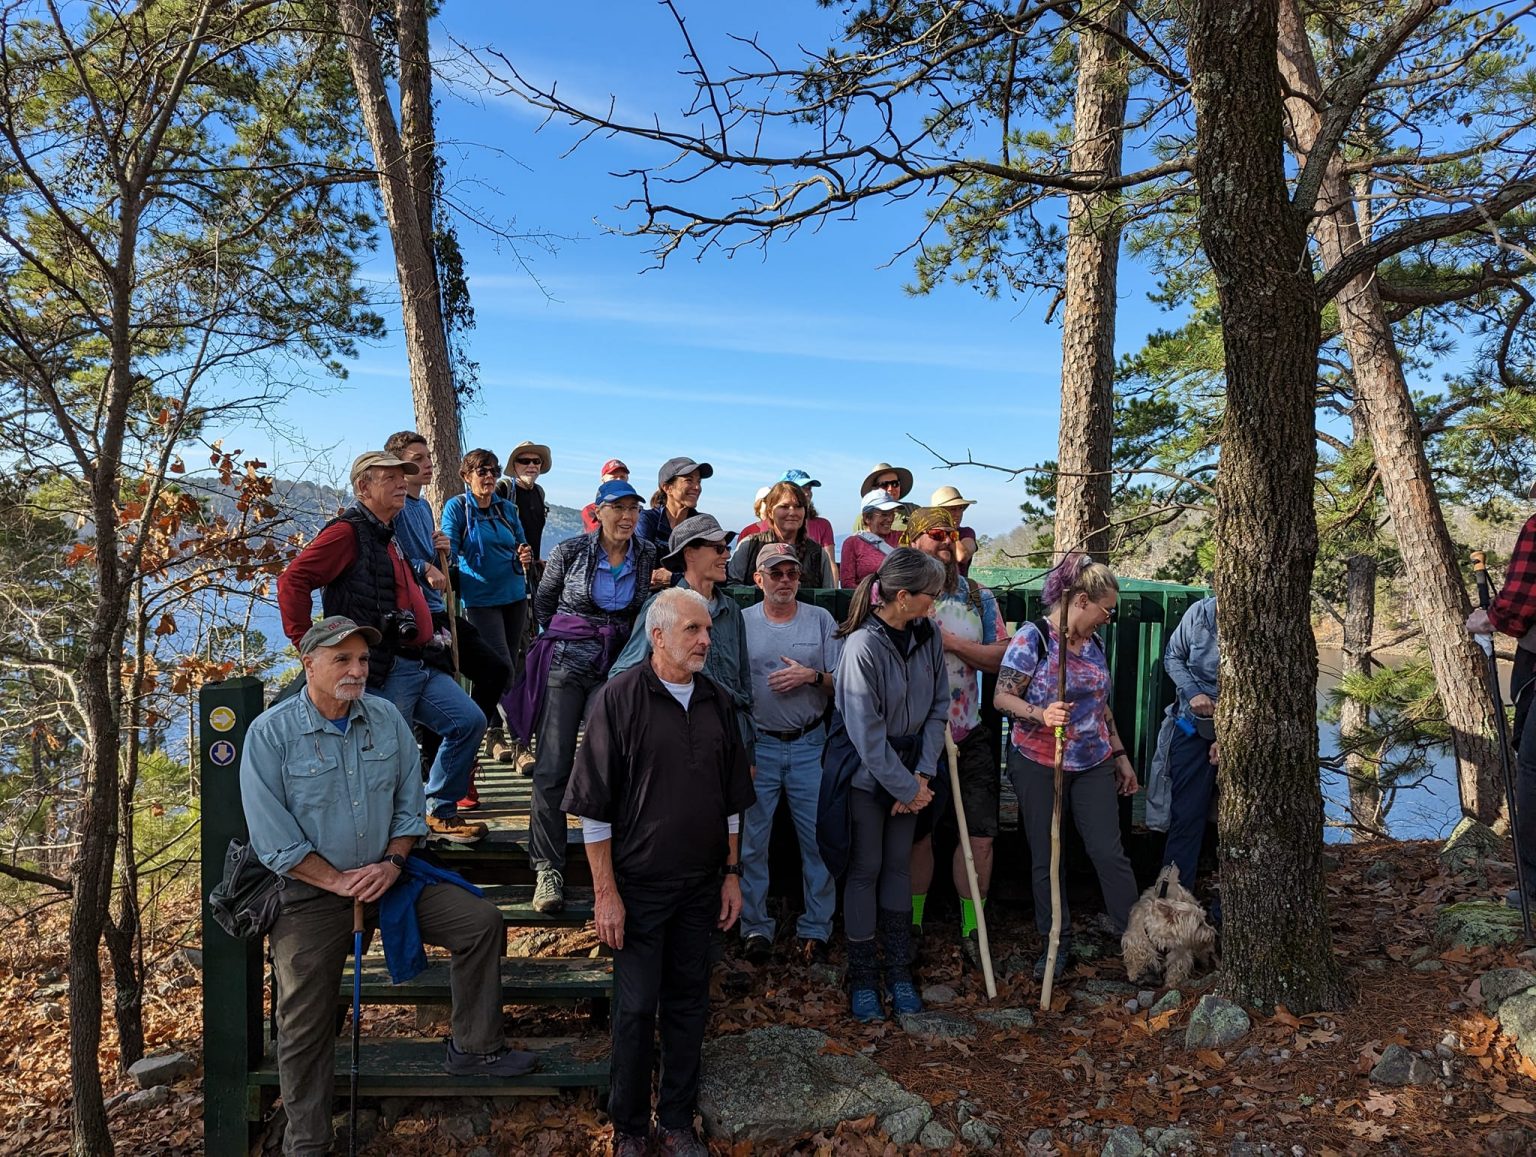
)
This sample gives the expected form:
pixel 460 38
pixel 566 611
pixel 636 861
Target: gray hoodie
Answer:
pixel 880 694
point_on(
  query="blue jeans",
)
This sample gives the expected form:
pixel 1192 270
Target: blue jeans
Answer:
pixel 431 698
pixel 792 770
pixel 1193 776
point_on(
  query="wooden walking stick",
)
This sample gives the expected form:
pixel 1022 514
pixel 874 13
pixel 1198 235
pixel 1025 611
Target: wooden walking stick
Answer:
pixel 1053 944
pixel 970 862
pixel 453 612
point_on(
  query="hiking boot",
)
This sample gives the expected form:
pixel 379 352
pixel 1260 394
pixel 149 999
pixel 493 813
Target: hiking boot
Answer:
pixel 863 982
pixel 904 998
pixel 525 761
pixel 757 949
pixel 504 1062
pixel 811 950
pixel 549 892
pixel 496 743
pixel 630 1145
pixel 455 829
pixel 1063 958
pixel 681 1143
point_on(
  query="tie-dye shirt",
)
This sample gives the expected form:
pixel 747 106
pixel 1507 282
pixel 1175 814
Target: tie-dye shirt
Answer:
pixel 1087 693
pixel 958 615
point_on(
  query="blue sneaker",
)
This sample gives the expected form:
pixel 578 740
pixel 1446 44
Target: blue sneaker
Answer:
pixel 864 1003
pixel 904 998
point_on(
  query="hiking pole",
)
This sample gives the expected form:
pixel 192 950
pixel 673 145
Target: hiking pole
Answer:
pixel 1053 943
pixel 357 1009
pixel 970 862
pixel 1480 573
pixel 453 612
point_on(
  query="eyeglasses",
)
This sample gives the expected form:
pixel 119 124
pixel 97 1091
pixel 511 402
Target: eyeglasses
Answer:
pixel 784 573
pixel 529 461
pixel 942 535
pixel 889 484
pixel 622 507
pixel 717 547
pixel 486 471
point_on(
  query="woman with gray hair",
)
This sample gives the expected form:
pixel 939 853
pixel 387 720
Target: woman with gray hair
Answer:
pixel 1096 765
pixel 892 700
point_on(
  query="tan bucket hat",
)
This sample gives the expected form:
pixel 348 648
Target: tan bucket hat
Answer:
pixel 949 497
pixel 530 447
pixel 901 472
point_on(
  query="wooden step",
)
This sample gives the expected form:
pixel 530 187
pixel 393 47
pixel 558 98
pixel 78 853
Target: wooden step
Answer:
pixel 524 980
pixel 413 1067
pixel 515 902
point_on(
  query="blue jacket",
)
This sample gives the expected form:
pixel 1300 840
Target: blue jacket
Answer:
pixel 484 543
pixel 398 929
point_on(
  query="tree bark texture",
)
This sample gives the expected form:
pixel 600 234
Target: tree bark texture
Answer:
pixel 1088 315
pixel 1354 716
pixel 1429 557
pixel 426 340
pixel 1277 946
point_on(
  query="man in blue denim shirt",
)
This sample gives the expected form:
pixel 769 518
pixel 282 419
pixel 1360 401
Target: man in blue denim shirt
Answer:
pixel 332 793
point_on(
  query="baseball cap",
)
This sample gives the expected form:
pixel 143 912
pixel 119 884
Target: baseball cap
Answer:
pixel 368 459
pixel 332 629
pixel 773 553
pixel 878 500
pixel 694 529
pixel 800 478
pixel 614 491
pixel 612 466
pixel 672 467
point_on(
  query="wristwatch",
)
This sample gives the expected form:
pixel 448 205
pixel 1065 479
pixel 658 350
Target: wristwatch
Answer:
pixel 397 861
pixel 732 869
pixel 820 676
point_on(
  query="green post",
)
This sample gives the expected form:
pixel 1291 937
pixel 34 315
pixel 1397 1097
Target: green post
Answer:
pixel 232 1027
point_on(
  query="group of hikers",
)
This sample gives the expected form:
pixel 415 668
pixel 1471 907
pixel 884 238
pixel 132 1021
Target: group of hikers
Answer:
pixel 618 672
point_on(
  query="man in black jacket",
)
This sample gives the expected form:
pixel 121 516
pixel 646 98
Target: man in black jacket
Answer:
pixel 660 783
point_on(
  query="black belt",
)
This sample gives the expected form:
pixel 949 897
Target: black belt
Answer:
pixel 791 736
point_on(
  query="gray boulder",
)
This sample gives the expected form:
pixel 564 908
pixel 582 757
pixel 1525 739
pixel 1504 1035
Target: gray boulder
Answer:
pixel 164 1069
pixel 1500 984
pixel 1477 924
pixel 1401 1066
pixel 935 1136
pixel 151 1098
pixel 1517 1017
pixel 779 1083
pixel 1123 1141
pixel 1169 1001
pixel 1469 844
pixel 932 1026
pixel 1176 1141
pixel 1007 1018
pixel 938 994
pixel 1215 1024
pixel 977 1134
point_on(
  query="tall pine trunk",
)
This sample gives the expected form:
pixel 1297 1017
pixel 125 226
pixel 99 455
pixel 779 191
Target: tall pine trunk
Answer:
pixel 1429 558
pixel 1088 315
pixel 1277 946
pixel 426 339
pixel 1361 773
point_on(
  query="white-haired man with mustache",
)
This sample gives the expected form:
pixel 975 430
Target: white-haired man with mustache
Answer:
pixel 331 785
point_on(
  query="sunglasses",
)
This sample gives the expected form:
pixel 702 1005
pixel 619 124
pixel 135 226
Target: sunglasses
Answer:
pixel 717 547
pixel 529 461
pixel 784 573
pixel 942 535
pixel 486 471
pixel 889 484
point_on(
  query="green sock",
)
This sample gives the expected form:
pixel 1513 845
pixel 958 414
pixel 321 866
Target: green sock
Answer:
pixel 918 904
pixel 968 915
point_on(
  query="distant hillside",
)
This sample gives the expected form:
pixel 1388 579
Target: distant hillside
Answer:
pixel 307 506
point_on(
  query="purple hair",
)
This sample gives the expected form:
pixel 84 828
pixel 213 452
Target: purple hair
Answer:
pixel 1063 577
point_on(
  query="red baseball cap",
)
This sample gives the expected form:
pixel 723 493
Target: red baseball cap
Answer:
pixel 612 465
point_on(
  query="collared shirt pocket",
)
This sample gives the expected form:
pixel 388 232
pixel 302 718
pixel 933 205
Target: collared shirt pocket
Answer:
pixel 313 780
pixel 381 763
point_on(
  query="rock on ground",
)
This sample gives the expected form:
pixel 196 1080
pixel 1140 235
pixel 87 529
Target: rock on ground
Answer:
pixel 1170 1001
pixel 165 1069
pixel 778 1083
pixel 1400 1066
pixel 1477 924
pixel 937 1026
pixel 938 994
pixel 1123 1141
pixel 1499 984
pixel 1470 843
pixel 1216 1023
pixel 977 1134
pixel 935 1136
pixel 1007 1018
pixel 1517 1017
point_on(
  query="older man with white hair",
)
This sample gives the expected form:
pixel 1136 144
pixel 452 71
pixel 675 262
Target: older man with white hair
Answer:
pixel 660 782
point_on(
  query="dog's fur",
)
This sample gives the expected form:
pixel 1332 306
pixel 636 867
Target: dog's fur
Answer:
pixel 1167 932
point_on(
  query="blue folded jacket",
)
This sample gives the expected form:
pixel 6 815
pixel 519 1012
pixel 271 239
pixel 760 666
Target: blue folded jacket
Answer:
pixel 398 927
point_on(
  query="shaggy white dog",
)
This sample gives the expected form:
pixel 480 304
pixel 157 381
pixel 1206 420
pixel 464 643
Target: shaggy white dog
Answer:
pixel 1167 933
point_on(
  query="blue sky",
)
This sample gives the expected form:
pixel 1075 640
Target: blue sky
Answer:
pixel 809 354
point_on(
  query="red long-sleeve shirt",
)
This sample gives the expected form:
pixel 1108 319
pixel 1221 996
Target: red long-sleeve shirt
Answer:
pixel 321 563
pixel 1514 610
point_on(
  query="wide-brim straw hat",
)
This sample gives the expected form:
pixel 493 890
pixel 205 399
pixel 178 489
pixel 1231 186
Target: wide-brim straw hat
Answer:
pixel 901 472
pixel 948 496
pixel 548 461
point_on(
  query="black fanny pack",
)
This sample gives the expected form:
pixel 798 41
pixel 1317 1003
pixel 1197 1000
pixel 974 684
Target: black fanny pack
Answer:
pixel 246 901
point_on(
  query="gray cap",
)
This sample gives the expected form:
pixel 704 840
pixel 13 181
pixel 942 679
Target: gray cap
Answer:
pixel 773 553
pixel 694 529
pixel 331 630
pixel 672 467
pixel 371 458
